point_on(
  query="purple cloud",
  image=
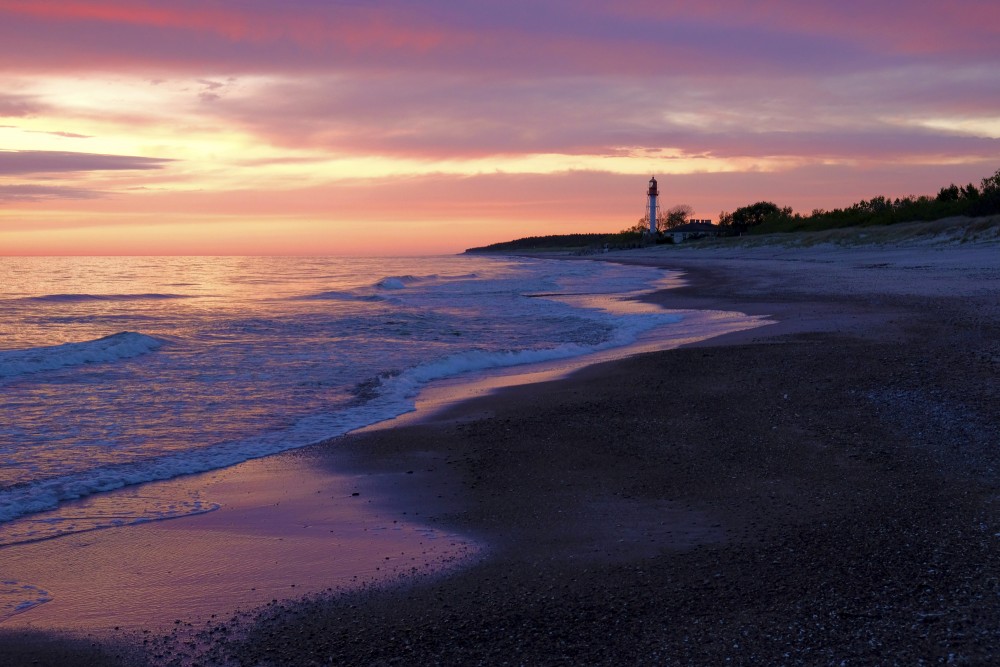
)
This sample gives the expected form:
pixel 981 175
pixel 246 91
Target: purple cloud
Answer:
pixel 36 193
pixel 513 37
pixel 42 162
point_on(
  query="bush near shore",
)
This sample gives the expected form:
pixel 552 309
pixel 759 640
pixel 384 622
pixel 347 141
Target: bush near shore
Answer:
pixel 951 201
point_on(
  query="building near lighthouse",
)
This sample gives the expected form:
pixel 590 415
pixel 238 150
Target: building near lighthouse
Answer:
pixel 694 228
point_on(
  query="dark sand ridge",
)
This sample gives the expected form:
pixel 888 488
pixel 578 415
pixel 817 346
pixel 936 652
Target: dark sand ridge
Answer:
pixel 788 498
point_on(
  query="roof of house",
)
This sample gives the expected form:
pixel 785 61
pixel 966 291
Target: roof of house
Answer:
pixel 696 227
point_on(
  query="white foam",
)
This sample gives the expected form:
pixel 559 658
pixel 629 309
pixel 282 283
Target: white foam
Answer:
pixel 136 506
pixel 124 345
pixel 467 362
pixel 16 598
pixel 393 283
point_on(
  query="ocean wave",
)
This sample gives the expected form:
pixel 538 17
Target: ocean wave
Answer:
pixel 123 345
pixel 77 298
pixel 343 296
pixel 400 282
pixel 396 282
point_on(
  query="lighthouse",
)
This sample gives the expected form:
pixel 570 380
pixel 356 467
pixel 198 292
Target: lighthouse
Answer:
pixel 653 194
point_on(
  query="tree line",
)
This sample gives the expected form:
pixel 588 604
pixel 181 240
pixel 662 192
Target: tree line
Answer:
pixel 951 200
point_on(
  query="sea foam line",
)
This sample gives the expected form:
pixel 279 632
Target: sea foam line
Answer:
pixel 16 598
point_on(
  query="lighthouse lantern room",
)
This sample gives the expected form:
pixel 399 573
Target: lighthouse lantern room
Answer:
pixel 653 194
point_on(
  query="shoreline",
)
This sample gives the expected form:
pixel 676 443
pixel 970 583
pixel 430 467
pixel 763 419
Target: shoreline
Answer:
pixel 747 519
pixel 256 514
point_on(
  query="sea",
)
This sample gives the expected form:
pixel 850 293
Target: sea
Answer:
pixel 115 371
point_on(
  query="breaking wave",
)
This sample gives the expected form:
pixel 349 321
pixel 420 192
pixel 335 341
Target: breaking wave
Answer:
pixel 124 345
pixel 400 282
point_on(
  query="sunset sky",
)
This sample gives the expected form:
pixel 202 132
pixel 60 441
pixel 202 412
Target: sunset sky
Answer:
pixel 412 127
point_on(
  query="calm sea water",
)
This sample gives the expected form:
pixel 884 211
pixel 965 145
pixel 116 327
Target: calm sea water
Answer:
pixel 117 371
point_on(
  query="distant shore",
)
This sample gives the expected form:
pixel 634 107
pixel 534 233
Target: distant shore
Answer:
pixel 816 491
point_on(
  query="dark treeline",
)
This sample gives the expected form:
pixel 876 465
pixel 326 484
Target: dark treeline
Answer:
pixel 953 200
pixel 545 242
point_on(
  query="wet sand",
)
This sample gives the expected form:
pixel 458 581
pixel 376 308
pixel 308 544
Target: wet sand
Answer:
pixel 283 528
pixel 820 491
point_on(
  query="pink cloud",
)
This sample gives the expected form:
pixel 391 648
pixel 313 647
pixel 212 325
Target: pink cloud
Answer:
pixel 447 117
pixel 473 80
pixel 16 106
pixel 60 133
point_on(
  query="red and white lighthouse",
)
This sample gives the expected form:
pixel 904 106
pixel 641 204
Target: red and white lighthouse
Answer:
pixel 653 194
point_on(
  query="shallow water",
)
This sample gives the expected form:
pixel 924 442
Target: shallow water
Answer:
pixel 117 371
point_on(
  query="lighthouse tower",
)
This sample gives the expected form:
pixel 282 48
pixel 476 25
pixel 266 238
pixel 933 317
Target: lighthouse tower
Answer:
pixel 653 194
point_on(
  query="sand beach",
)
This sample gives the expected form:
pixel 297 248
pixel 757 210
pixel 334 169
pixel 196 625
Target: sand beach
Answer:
pixel 820 490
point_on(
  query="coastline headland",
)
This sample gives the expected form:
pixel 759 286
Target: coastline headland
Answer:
pixel 821 490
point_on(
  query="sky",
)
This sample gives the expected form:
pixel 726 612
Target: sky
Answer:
pixel 374 127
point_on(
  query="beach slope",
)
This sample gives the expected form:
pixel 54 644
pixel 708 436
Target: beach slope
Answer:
pixel 822 491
